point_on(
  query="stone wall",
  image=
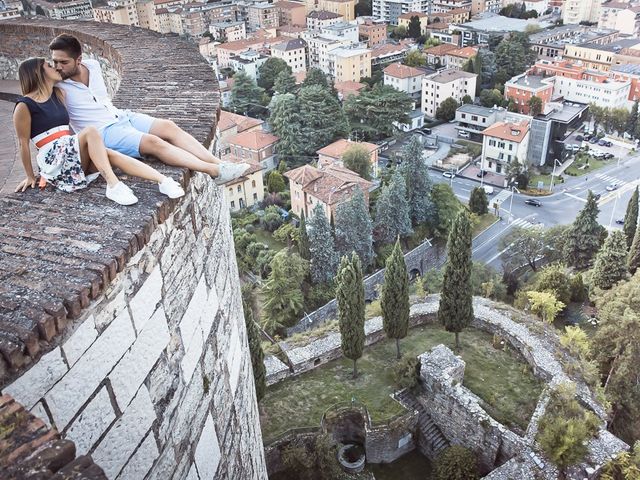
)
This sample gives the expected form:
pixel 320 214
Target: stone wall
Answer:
pixel 387 442
pixel 132 339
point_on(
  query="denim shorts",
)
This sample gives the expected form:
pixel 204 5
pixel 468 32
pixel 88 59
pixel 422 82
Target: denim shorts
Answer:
pixel 125 135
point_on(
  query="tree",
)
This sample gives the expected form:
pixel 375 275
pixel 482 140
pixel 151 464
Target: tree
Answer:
pixel 478 201
pixel 283 300
pixel 545 305
pixel 284 83
pixel 611 262
pixel 633 260
pixel 517 173
pixel 286 122
pixel 456 463
pixel 447 109
pixel 446 206
pixel 414 30
pixel 626 466
pixel 323 258
pixel 245 93
pixel 522 247
pixel 418 183
pixel 351 307
pixel 631 218
pixel 256 352
pixel 322 119
pixel 535 105
pixel 490 98
pixel 356 158
pixel 269 70
pixel 513 56
pixel 303 239
pixel 456 309
pixel 415 59
pixel 353 229
pixel 553 279
pixel 395 297
pixel 393 217
pixel 315 76
pixel 275 182
pixel 467 100
pixel 585 235
pixel 488 67
pixel 399 32
pixel 632 121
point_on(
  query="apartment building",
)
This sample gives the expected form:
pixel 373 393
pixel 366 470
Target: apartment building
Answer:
pixel 349 63
pixel 291 13
pixel 437 55
pixel 405 79
pixel 246 190
pixel 262 15
pixel 444 84
pixel 371 31
pixel 603 92
pixel 459 57
pixel 65 10
pixel 10 9
pixel 629 73
pixel 503 143
pixel 389 53
pixel 294 52
pixel 332 154
pixel 551 43
pixel 255 146
pixel 227 50
pixel 390 11
pixel 576 11
pixel 602 57
pixel 444 6
pixel 405 19
pixel 318 50
pixel 620 16
pixel 522 87
pixel 345 8
pixel 228 31
pixel 319 19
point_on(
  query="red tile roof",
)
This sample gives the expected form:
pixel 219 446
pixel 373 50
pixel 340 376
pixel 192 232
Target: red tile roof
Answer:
pixel 253 140
pixel 331 185
pixel 229 120
pixel 398 70
pixel 339 147
pixel 514 132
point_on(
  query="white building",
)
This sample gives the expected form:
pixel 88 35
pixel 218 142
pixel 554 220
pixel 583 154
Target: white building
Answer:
pixel 341 31
pixel 539 6
pixel 621 17
pixel 389 10
pixel 576 11
pixel 319 19
pixel 404 78
pixel 228 31
pixel 294 52
pixel 437 87
pixel 610 93
pixel 248 62
pixel 502 143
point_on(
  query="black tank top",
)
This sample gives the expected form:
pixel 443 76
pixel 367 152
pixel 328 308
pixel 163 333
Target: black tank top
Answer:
pixel 45 115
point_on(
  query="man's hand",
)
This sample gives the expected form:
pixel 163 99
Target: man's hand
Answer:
pixel 29 182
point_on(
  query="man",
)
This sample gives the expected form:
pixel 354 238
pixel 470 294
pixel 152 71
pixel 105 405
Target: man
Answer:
pixel 130 133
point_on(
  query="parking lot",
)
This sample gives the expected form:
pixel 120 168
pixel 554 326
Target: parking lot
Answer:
pixel 449 130
pixel 615 150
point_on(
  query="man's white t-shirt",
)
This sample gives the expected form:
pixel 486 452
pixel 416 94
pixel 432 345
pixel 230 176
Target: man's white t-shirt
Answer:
pixel 89 106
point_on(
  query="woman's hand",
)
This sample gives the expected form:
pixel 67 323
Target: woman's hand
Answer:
pixel 29 182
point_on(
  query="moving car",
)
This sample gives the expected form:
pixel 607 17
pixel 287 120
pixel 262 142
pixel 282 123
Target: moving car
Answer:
pixel 611 187
pixel 597 196
pixel 488 189
pixel 481 173
pixel 533 202
pixel 448 174
pixel 620 221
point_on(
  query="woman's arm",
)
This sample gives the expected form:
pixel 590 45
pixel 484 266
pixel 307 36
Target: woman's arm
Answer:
pixel 22 124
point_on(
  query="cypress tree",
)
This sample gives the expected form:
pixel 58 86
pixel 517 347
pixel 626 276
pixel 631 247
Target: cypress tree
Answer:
pixel 392 211
pixel 322 253
pixel 395 297
pixel 351 307
pixel 634 253
pixel 303 242
pixel 478 203
pixel 256 352
pixel 418 183
pixel 456 308
pixel 631 218
pixel 611 262
pixel 584 237
pixel 353 229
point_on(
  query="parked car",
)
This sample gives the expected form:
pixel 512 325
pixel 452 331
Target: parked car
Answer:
pixel 426 130
pixel 602 142
pixel 608 156
pixel 448 174
pixel 608 144
pixel 572 147
pixel 481 173
pixel 579 138
pixel 597 154
pixel 611 187
pixel 463 134
pixel 620 221
pixel 533 202
pixel 593 140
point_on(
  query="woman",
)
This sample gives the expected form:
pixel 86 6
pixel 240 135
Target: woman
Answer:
pixel 65 160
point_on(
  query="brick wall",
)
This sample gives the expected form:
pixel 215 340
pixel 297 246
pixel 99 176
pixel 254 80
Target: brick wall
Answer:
pixel 131 339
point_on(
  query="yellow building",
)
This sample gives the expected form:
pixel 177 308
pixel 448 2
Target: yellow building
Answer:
pixel 247 190
pixel 602 57
pixel 122 12
pixel 350 64
pixel 346 8
pixel 405 18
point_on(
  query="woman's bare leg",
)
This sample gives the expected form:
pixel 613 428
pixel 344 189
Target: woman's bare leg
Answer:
pixel 172 155
pixel 134 167
pixel 93 151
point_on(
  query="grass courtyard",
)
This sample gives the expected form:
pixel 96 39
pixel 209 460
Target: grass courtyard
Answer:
pixel 499 377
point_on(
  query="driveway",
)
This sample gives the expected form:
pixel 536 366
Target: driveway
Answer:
pixel 449 130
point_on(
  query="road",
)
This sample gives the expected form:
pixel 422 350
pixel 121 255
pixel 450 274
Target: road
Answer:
pixel 559 208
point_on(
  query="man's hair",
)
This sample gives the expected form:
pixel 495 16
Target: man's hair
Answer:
pixel 67 43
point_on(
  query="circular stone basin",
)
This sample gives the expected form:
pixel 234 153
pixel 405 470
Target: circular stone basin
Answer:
pixel 351 458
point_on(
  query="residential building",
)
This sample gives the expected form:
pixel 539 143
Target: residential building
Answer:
pixel 630 73
pixel 493 6
pixel 489 27
pixel 246 190
pixel 262 15
pixel 474 119
pixel 443 6
pixel 390 11
pixel 459 57
pixel 319 49
pixel 416 121
pixel 259 44
pixel 65 10
pixel 350 63
pixel 10 9
pixel 405 18
pixel 319 19
pixel 385 54
pixel 623 17
pixel 228 31
pixel 345 8
pixel 539 6
pixel 576 11
pixel 522 87
pixel 346 89
pixel 603 92
pixel 437 55
pixel 445 84
pixel 341 31
pixel 291 13
pixel 255 146
pixel 122 12
pixel 294 52
pixel 404 78
pixel 454 16
pixel 290 31
pixel 503 143
pixel 373 32
pixel 248 62
pixel 332 154
pixel 229 125
pixel 550 43
pixel 602 57
pixel 328 187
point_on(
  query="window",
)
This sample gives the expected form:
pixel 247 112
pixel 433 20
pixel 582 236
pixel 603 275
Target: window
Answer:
pixel 255 197
pixel 253 183
pixel 239 188
pixel 233 204
pixel 231 191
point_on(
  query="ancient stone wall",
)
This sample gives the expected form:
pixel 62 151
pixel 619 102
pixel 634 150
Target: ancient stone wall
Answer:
pixel 387 442
pixel 133 343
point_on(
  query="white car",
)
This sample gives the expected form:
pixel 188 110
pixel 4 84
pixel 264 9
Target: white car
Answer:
pixel 463 134
pixel 612 187
pixel 448 174
pixel 572 147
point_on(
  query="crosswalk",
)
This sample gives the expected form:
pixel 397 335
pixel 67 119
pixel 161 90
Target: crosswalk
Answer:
pixel 522 223
pixel 610 179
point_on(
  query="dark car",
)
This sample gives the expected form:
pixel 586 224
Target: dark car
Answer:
pixel 533 201
pixel 579 138
pixel 620 221
pixel 608 143
pixel 481 173
pixel 597 196
pixel 608 156
pixel 593 140
pixel 602 142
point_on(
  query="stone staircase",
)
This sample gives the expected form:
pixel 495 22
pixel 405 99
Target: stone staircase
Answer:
pixel 431 441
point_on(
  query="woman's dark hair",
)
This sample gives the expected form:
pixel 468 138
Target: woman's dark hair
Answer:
pixel 67 43
pixel 31 75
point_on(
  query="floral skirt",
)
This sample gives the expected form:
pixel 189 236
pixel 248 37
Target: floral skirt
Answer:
pixel 59 164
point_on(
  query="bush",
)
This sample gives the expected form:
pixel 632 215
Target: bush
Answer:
pixel 578 289
pixel 373 309
pixel 553 279
pixel 316 296
pixel 432 281
pixel 456 463
pixel 406 372
pixel 272 219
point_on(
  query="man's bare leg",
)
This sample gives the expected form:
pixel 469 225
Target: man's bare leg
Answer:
pixel 170 132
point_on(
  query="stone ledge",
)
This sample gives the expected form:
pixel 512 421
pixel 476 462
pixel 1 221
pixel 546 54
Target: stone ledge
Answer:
pixel 59 252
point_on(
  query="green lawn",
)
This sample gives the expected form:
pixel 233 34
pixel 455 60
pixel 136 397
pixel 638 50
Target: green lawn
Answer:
pixel 265 237
pixel 497 376
pixel 484 222
pixel 576 171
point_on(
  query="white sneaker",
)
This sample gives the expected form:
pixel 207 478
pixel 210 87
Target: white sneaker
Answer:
pixel 171 188
pixel 121 194
pixel 230 171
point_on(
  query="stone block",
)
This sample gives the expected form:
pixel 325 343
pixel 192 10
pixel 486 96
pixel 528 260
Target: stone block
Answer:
pixel 39 411
pixel 73 390
pixel 92 422
pixel 234 358
pixel 142 460
pixel 111 308
pixel 37 381
pixel 146 299
pixel 207 456
pixel 165 463
pixel 81 339
pixel 136 364
pixel 115 449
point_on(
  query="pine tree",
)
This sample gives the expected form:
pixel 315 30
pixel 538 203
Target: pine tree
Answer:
pixel 275 182
pixel 256 352
pixel 414 29
pixel 315 76
pixel 322 118
pixel 284 83
pixel 303 239
pixel 269 71
pixel 418 183
pixel 392 211
pixel 633 261
pixel 478 203
pixel 584 237
pixel 456 308
pixel 353 230
pixel 351 308
pixel 322 253
pixel 286 123
pixel 632 121
pixel 395 297
pixel 611 262
pixel 245 93
pixel 631 218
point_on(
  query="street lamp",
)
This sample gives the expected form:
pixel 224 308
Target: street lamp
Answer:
pixel 553 174
pixel 613 212
pixel 513 188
